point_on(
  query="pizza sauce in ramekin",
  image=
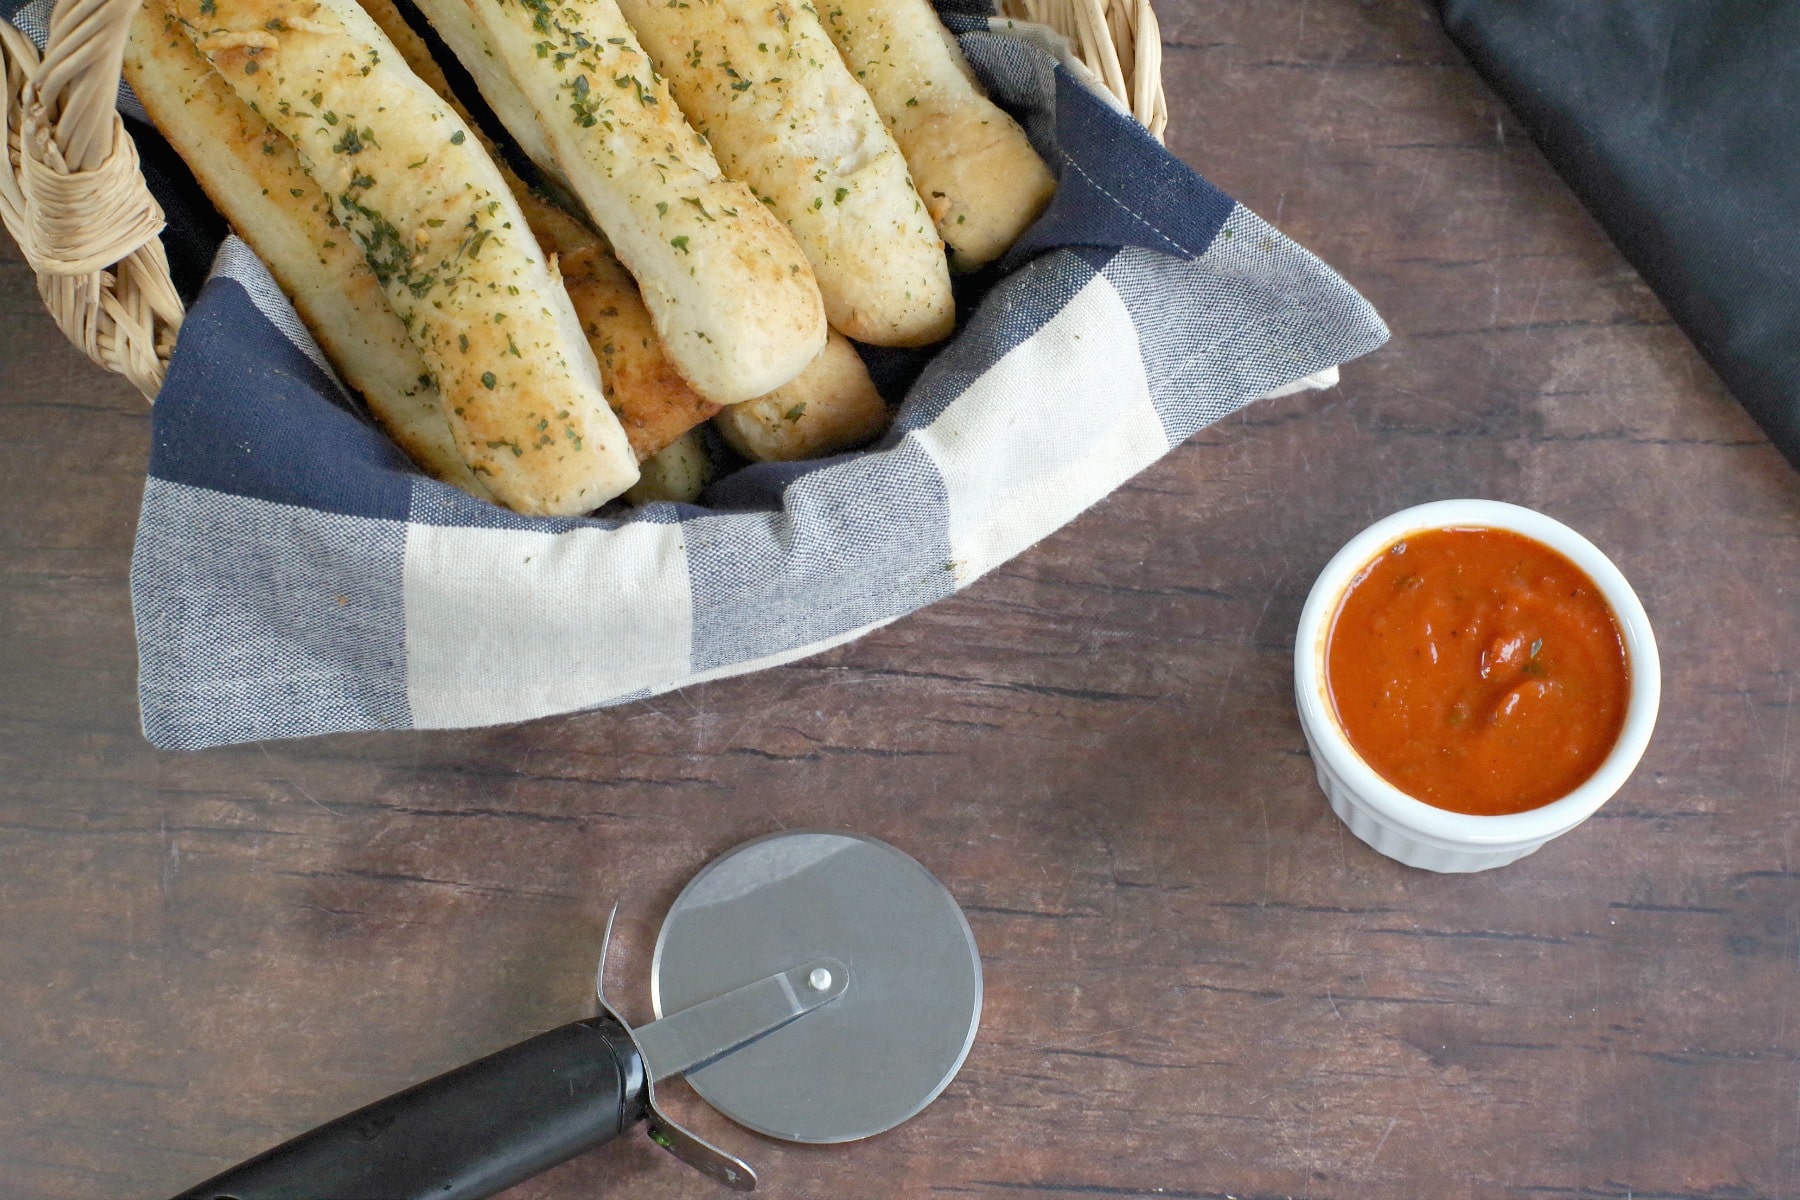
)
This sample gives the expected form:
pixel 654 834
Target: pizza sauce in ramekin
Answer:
pixel 1477 670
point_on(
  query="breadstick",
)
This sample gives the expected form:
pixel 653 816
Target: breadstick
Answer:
pixel 653 402
pixel 729 291
pixel 981 180
pixel 252 176
pixel 832 406
pixel 678 473
pixel 462 33
pixel 762 81
pixel 444 237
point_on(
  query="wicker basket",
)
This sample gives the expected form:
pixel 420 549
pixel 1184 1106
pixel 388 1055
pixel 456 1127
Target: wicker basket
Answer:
pixel 74 199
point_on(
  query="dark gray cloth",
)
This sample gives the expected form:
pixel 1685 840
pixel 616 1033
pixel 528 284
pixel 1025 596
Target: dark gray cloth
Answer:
pixel 1677 122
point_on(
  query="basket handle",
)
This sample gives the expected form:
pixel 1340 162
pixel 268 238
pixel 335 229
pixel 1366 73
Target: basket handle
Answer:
pixel 72 193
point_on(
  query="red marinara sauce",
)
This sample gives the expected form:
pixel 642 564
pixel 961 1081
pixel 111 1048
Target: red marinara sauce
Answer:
pixel 1478 670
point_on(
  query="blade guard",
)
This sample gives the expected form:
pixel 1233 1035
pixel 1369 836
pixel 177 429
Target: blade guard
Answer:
pixel 683 1143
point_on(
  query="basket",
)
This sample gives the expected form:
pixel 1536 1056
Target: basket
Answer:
pixel 73 197
pixel 293 574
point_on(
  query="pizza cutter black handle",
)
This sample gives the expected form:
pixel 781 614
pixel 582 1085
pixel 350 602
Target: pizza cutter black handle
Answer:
pixel 467 1134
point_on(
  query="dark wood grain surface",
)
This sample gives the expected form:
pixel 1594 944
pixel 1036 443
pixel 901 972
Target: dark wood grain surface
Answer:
pixel 1199 984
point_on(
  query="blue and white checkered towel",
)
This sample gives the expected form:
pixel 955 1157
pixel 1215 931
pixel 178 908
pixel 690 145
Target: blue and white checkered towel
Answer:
pixel 294 574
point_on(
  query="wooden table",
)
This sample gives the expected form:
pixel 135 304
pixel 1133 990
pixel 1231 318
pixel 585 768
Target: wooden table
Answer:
pixel 1199 984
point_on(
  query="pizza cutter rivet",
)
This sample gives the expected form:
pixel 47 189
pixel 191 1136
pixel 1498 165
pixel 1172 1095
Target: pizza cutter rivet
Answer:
pixel 819 980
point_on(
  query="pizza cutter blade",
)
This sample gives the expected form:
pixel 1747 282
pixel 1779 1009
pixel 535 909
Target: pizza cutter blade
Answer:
pixel 883 1051
pixel 814 986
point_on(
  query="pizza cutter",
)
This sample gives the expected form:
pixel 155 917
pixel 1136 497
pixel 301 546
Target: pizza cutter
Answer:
pixel 811 986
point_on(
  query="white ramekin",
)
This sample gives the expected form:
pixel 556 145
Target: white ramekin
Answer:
pixel 1409 830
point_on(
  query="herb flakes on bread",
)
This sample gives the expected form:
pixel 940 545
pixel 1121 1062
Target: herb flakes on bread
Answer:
pixel 444 237
pixel 762 80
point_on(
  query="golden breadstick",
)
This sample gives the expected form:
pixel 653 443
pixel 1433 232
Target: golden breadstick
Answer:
pixel 981 180
pixel 832 406
pixel 653 402
pixel 728 290
pixel 445 238
pixel 678 472
pixel 466 39
pixel 252 175
pixel 762 81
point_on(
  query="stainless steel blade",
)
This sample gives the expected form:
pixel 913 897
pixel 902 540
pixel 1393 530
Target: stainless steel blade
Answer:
pixel 878 1054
